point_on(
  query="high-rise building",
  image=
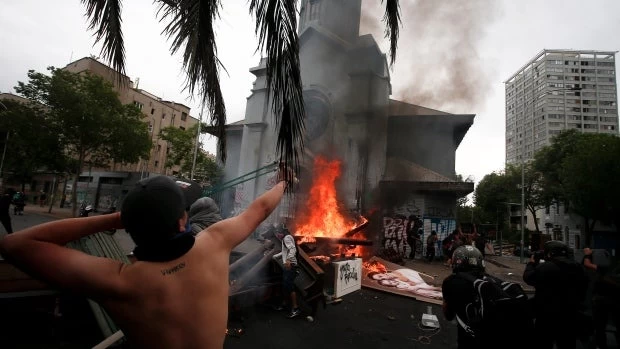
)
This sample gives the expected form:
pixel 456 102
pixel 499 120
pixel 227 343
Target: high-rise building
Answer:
pixel 559 90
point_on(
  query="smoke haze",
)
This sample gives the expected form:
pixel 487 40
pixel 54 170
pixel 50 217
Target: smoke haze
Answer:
pixel 438 63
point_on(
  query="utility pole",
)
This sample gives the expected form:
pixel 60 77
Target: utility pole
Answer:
pixel 197 142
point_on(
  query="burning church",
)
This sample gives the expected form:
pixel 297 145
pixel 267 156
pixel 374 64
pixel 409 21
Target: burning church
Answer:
pixel 370 161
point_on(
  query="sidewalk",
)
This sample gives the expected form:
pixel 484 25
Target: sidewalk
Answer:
pixel 57 212
pixel 507 268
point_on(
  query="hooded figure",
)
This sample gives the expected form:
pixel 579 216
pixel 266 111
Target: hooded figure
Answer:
pixel 203 213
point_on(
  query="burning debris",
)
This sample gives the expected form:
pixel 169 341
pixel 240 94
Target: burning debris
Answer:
pixel 323 228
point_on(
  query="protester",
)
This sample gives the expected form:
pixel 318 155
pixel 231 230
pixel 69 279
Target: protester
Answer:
pixel 5 204
pixel 430 246
pixel 290 271
pixel 587 259
pixel 176 294
pixel 413 225
pixel 203 213
pixel 19 201
pixel 561 285
pixel 606 306
pixel 457 293
pixel 487 309
pixel 450 244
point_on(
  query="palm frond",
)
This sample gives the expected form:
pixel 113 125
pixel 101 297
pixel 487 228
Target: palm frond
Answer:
pixel 276 25
pixel 105 19
pixel 191 26
pixel 392 25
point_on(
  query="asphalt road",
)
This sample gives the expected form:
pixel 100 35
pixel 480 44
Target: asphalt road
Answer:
pixel 364 319
pixel 29 219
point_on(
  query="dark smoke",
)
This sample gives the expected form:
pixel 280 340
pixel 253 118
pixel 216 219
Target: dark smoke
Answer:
pixel 438 63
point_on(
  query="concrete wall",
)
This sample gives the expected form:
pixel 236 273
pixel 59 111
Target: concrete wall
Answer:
pixel 425 140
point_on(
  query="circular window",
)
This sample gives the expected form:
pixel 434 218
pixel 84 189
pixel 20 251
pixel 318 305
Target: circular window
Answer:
pixel 317 114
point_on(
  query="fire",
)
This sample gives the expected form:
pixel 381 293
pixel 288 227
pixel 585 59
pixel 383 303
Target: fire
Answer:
pixel 374 266
pixel 322 215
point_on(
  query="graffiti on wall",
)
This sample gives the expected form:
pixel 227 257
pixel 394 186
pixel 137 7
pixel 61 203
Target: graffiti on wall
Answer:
pixel 443 227
pixel 241 202
pixel 395 233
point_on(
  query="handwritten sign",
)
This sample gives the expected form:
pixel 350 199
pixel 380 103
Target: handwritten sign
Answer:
pixel 348 276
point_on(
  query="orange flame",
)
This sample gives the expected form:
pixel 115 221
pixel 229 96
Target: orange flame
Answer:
pixel 374 266
pixel 322 215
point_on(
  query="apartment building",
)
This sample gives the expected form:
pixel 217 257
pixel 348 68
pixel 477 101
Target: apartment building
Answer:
pixel 158 113
pixel 559 90
pixel 554 91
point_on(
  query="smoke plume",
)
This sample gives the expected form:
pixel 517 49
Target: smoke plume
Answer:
pixel 438 63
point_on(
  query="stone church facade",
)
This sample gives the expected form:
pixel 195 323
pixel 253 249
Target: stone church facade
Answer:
pixel 398 158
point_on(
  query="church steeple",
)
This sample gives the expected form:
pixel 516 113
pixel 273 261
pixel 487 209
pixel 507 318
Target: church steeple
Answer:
pixel 339 17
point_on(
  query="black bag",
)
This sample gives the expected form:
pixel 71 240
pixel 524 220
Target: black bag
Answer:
pixel 500 316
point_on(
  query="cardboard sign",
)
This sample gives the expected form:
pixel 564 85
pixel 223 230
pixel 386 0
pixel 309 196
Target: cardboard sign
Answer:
pixel 348 276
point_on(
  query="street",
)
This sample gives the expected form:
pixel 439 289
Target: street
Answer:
pixel 364 319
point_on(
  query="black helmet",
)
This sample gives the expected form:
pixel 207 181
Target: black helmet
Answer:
pixel 556 249
pixel 467 258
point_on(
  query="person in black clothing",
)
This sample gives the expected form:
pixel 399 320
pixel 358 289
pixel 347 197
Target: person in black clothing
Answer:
pixel 606 306
pixel 458 291
pixel 561 285
pixel 413 224
pixel 5 203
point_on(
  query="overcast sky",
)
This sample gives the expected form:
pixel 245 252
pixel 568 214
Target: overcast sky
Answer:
pixel 453 55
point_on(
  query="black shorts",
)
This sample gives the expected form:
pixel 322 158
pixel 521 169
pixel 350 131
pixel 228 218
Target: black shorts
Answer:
pixel 288 278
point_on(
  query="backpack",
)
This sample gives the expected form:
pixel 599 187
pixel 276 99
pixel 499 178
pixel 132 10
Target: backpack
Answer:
pixel 499 311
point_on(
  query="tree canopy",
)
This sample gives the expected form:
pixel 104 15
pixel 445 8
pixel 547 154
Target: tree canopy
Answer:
pixel 91 123
pixel 32 142
pixel 582 169
pixel 182 145
pixel 577 169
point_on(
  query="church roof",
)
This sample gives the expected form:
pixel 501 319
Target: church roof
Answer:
pixel 405 175
pixel 399 108
pixel 460 122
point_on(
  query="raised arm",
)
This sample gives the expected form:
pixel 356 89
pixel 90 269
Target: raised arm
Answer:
pixel 40 252
pixel 233 231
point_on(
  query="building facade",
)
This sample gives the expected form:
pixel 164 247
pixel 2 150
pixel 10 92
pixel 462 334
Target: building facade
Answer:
pixel 105 187
pixel 158 113
pixel 559 90
pixel 397 158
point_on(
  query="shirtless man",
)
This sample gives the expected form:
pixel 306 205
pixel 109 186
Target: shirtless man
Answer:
pixel 176 294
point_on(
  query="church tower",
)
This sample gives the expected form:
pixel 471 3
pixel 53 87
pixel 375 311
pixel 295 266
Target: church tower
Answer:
pixel 339 17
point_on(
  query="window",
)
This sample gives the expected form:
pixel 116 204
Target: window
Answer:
pixel 183 116
pixel 152 111
pixel 150 127
pixel 182 128
pixel 163 116
pixel 138 104
pixel 158 148
pixel 156 163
